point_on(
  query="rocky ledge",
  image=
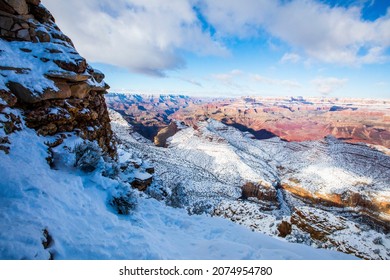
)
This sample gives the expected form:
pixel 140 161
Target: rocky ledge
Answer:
pixel 43 74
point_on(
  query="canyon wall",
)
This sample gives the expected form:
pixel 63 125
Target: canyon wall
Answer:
pixel 43 74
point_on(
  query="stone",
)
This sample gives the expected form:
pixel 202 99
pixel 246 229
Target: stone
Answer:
pixel 19 6
pixel 80 90
pixel 5 34
pixel 49 129
pixel 41 14
pixel 317 223
pixel 68 76
pixel 4 140
pixel 103 88
pixel 8 97
pixel 47 240
pixel 62 37
pixel 25 25
pixel 26 95
pixel 25 50
pixel 14 124
pixel 24 35
pixel 34 2
pixel 94 115
pixel 56 143
pixel 78 66
pixel 5 149
pixel 98 76
pixel 284 229
pixel 16 69
pixel 16 27
pixel 140 184
pixel 150 170
pixel 6 23
pixel 258 191
pixel 6 7
pixel 160 140
pixel 62 92
pixel 43 36
pixel 22 93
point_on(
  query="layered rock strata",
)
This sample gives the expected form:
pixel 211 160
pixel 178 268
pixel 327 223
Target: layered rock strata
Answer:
pixel 43 74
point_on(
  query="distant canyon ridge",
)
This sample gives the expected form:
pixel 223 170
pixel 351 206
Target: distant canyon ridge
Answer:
pixel 310 170
pixel 292 119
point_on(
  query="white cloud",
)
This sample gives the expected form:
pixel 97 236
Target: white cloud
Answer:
pixel 237 18
pixel 290 57
pixel 151 36
pixel 327 85
pixel 327 34
pixel 143 36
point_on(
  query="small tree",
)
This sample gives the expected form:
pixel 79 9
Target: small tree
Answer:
pixel 88 155
pixel 124 204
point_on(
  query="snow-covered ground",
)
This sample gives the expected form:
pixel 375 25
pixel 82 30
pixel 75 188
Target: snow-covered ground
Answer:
pixel 208 165
pixel 72 208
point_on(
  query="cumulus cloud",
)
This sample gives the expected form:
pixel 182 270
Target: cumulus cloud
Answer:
pixel 327 85
pixel 324 33
pixel 151 36
pixel 143 36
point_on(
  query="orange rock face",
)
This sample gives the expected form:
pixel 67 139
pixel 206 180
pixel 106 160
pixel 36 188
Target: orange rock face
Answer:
pixel 351 120
pixel 372 207
pixel 292 119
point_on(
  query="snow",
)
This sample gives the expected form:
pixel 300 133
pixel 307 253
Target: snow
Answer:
pixel 142 175
pixel 73 207
pixel 35 62
pixel 3 118
pixel 335 178
pixel 32 75
pixel 210 164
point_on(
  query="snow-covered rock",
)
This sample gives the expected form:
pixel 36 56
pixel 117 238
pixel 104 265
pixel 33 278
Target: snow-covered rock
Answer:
pixel 204 169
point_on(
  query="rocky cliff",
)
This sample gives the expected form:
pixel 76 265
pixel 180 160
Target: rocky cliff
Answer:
pixel 43 74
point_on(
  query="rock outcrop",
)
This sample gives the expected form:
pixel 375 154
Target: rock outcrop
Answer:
pixel 266 195
pixel 43 74
pixel 149 114
pixel 160 140
pixel 339 176
pixel 332 231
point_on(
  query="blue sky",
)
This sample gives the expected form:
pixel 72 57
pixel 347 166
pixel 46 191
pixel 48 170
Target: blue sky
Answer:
pixel 234 48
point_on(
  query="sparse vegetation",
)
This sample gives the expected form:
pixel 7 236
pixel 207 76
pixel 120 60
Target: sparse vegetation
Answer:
pixel 88 155
pixel 124 204
pixel 178 197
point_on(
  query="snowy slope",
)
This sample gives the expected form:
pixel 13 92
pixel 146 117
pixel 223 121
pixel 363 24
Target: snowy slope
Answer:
pixel 72 207
pixel 208 164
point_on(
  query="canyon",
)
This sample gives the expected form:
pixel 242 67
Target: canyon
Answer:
pixel 289 118
pixel 317 187
pixel 87 174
